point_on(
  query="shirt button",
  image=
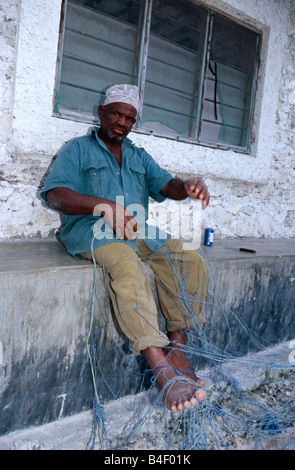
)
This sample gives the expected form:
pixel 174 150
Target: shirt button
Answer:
pixel 117 173
pixel 126 194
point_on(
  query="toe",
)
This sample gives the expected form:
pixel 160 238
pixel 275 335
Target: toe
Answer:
pixel 200 395
pixel 173 407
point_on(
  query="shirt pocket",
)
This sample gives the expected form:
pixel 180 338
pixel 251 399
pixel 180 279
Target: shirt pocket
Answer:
pixel 138 175
pixel 97 180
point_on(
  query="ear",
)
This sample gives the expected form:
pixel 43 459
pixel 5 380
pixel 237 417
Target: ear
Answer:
pixel 100 111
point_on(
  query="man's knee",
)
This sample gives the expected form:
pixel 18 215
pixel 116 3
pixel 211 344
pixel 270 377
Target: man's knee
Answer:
pixel 196 259
pixel 126 265
pixel 192 259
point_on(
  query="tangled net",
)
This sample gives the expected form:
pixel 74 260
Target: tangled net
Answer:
pixel 249 397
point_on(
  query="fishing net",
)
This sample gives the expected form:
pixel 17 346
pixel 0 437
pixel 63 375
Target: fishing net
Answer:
pixel 249 392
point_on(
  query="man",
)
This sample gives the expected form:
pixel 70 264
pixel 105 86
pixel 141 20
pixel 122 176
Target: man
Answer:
pixel 89 175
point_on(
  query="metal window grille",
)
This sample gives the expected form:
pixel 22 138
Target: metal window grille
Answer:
pixel 196 69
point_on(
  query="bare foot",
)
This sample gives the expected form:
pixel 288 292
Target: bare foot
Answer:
pixel 177 358
pixel 178 391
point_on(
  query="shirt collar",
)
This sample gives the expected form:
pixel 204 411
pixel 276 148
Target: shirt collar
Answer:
pixel 91 160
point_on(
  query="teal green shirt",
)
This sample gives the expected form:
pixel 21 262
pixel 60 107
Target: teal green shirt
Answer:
pixel 86 166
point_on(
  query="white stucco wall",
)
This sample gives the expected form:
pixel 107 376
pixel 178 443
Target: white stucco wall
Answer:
pixel 251 195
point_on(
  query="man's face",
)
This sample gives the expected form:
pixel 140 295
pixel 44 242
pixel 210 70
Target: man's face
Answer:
pixel 116 121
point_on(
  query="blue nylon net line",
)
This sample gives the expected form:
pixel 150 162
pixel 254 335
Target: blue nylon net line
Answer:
pixel 233 415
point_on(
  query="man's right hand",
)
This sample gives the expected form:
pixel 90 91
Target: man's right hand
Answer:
pixel 118 218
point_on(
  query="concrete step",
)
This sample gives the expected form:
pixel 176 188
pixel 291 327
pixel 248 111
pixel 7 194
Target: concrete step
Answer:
pixel 45 312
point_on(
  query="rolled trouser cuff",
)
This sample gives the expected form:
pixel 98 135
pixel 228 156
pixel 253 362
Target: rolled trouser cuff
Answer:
pixel 144 343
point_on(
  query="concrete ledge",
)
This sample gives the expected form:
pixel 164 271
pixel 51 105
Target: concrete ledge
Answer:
pixel 44 364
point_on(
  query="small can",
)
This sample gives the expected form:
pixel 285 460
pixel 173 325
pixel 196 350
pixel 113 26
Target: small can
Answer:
pixel 209 236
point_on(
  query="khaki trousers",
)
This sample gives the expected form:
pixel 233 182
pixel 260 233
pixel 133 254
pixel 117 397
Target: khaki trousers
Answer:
pixel 180 277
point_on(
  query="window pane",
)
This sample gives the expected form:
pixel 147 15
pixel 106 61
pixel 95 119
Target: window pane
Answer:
pixel 174 66
pixel 99 50
pixel 229 84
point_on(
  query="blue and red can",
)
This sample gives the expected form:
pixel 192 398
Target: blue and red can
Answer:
pixel 209 237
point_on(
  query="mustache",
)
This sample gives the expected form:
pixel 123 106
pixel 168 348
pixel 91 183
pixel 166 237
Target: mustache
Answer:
pixel 124 131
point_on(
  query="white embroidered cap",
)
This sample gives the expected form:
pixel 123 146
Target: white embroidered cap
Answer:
pixel 123 94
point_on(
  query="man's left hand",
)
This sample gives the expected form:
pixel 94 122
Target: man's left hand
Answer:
pixel 196 189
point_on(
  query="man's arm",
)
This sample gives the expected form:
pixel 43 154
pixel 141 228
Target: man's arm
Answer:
pixel 178 190
pixel 72 203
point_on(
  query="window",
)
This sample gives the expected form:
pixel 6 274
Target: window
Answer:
pixel 196 69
